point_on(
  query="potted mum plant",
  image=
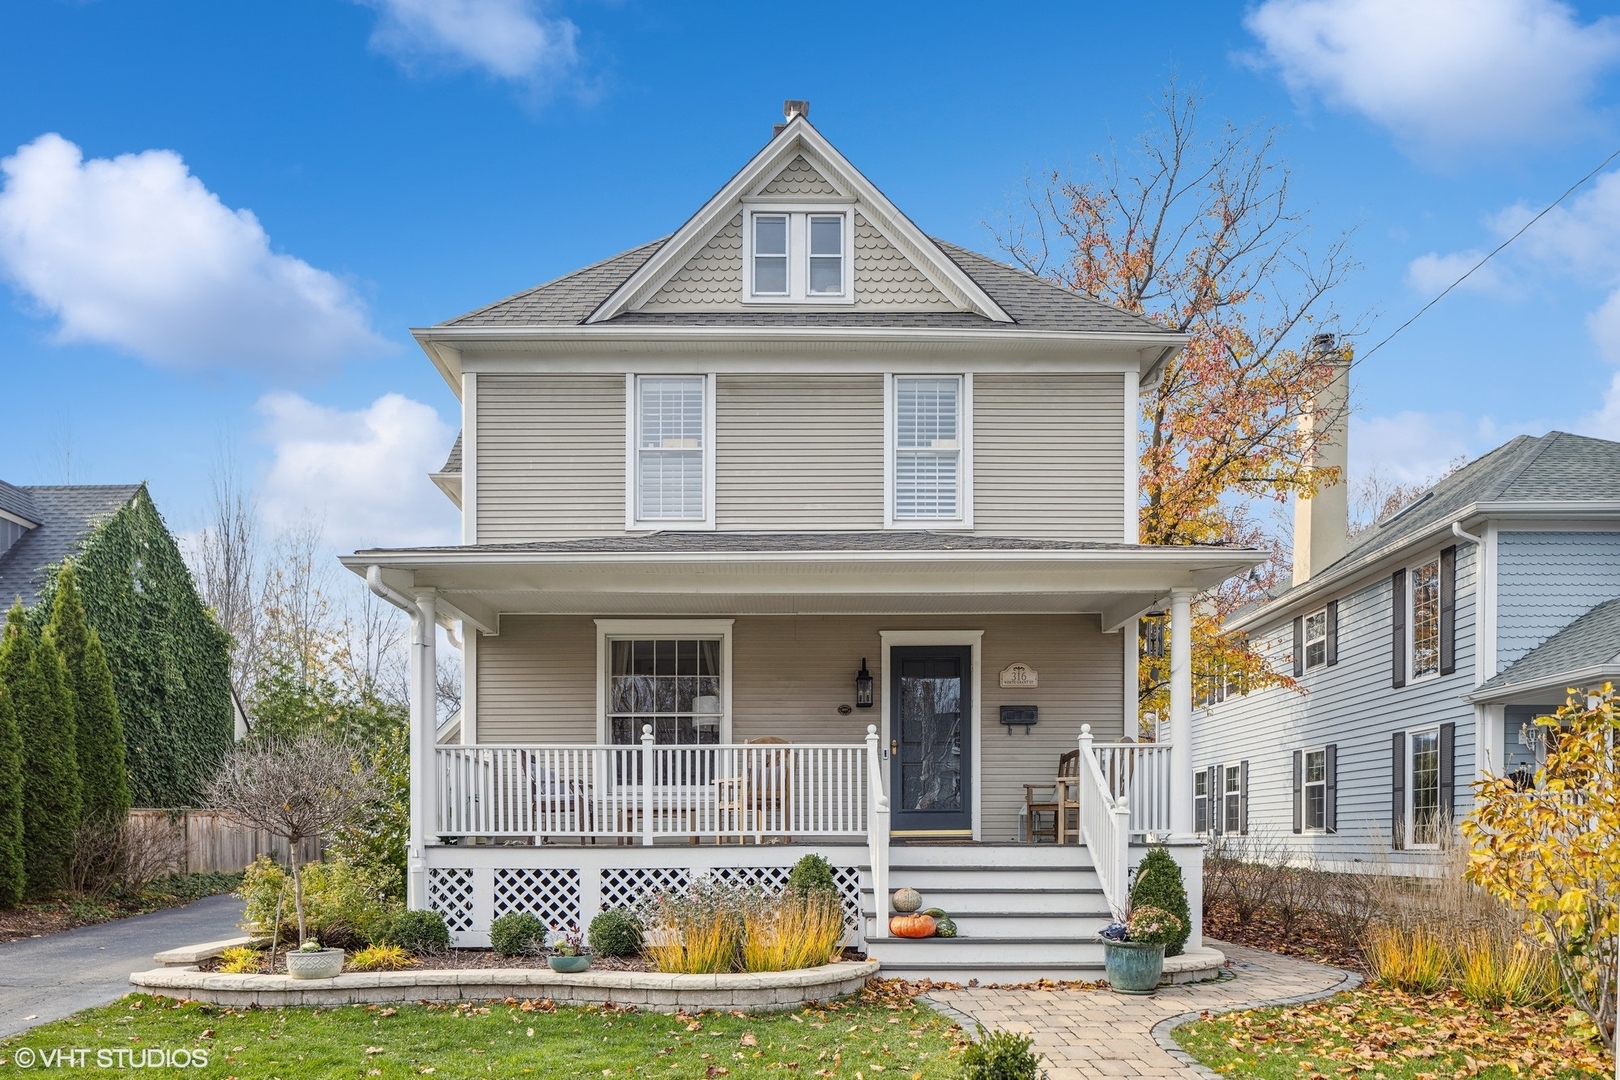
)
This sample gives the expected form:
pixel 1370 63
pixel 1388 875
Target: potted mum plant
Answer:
pixel 568 951
pixel 1134 949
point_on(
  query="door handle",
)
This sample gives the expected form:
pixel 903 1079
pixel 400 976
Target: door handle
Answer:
pixel 894 747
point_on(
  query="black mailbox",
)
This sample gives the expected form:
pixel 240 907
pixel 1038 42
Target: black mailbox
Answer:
pixel 1026 716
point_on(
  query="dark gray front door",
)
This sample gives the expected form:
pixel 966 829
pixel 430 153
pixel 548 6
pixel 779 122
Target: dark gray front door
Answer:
pixel 931 729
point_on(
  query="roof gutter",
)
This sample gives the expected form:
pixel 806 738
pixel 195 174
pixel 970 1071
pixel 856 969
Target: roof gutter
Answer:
pixel 1560 682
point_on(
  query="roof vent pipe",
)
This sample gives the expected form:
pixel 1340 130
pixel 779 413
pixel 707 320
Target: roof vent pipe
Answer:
pixel 1322 521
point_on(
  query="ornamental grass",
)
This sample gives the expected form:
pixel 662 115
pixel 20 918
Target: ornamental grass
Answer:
pixel 714 928
pixel 792 930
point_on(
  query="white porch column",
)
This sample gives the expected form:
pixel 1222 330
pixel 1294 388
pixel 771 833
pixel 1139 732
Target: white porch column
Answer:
pixel 1181 804
pixel 424 726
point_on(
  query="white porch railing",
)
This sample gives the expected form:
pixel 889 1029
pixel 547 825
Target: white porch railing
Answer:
pixel 1105 827
pixel 1138 776
pixel 648 792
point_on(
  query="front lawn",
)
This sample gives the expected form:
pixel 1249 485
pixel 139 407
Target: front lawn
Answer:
pixel 1377 1033
pixel 874 1035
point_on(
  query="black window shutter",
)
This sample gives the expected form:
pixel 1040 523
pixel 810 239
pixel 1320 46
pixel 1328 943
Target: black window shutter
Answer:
pixel 1332 632
pixel 1332 792
pixel 1299 791
pixel 1397 789
pixel 1299 646
pixel 1448 771
pixel 1397 635
pixel 1448 610
pixel 1243 799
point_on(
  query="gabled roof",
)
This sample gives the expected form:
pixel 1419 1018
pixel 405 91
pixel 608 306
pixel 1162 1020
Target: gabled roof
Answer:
pixel 1557 470
pixel 14 502
pixel 1584 652
pixel 67 515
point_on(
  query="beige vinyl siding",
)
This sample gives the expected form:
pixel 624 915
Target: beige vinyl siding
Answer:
pixel 537 680
pixel 1049 456
pixel 537 683
pixel 799 452
pixel 550 456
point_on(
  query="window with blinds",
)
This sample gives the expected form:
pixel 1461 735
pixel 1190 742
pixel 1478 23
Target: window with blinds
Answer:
pixel 670 443
pixel 927 448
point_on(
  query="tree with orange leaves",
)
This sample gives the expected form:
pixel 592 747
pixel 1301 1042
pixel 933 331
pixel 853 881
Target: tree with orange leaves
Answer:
pixel 1199 235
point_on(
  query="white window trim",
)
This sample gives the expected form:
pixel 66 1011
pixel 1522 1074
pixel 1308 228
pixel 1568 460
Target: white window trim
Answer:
pixel 965 496
pixel 632 457
pixel 1411 621
pixel 1305 785
pixel 608 630
pixel 974 639
pixel 798 251
pixel 1305 640
pixel 1201 774
pixel 1225 768
pixel 1408 817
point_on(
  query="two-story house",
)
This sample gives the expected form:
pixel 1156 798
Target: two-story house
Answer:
pixel 801 528
pixel 1423 648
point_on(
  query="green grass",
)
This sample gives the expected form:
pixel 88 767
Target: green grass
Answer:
pixel 1375 1033
pixel 868 1037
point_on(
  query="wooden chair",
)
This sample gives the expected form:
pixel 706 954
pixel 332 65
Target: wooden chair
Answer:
pixel 763 789
pixel 1056 797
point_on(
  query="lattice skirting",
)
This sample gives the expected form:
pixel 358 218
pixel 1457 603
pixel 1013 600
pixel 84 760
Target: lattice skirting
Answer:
pixel 471 897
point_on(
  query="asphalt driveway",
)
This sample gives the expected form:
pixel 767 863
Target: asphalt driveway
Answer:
pixel 46 978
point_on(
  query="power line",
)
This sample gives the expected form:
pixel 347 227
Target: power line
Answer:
pixel 1493 253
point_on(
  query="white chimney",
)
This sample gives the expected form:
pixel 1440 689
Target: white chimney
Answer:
pixel 1322 522
pixel 790 108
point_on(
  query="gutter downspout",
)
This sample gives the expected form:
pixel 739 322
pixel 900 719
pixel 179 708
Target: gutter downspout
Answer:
pixel 1457 531
pixel 424 671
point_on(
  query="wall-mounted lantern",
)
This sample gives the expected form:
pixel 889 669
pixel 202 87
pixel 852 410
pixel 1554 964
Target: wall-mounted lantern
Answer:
pixel 863 687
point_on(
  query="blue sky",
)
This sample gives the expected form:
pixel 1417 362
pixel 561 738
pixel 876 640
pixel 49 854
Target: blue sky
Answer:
pixel 217 221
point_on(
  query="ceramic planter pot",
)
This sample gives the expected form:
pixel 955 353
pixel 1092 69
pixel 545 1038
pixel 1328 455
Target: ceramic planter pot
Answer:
pixel 569 965
pixel 324 964
pixel 1133 967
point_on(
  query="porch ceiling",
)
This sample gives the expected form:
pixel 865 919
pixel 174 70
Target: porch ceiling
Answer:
pixel 1116 582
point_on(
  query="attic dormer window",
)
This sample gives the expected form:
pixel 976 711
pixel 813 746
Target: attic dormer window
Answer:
pixel 798 255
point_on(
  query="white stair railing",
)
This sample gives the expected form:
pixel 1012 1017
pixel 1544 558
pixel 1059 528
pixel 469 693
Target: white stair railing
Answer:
pixel 1105 826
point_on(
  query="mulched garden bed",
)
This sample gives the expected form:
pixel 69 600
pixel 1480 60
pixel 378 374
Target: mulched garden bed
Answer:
pixel 38 918
pixel 1308 939
pixel 473 959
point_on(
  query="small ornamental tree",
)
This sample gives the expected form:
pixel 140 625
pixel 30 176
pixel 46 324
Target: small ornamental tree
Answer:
pixel 298 788
pixel 43 705
pixel 98 728
pixel 1159 885
pixel 1554 851
pixel 12 879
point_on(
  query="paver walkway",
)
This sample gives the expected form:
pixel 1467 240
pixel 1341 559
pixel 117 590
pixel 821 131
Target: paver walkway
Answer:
pixel 1087 1034
pixel 46 978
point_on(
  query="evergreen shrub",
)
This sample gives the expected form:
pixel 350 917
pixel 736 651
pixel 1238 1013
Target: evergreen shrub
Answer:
pixel 98 730
pixel 1159 885
pixel 615 932
pixel 12 879
pixel 418 931
pixel 32 668
pixel 517 934
pixel 1001 1055
pixel 812 872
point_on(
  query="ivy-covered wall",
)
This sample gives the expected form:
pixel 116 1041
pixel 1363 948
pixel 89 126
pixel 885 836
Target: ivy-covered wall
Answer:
pixel 170 660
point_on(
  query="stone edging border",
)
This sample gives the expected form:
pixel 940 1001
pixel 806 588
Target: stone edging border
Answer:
pixel 763 992
pixel 1348 980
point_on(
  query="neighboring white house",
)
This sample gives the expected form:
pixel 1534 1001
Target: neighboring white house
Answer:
pixel 797 527
pixel 1424 647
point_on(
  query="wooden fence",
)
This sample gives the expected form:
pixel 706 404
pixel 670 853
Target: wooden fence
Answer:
pixel 208 842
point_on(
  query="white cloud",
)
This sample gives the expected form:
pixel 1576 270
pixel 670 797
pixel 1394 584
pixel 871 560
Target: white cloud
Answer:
pixel 509 39
pixel 1443 75
pixel 1429 274
pixel 361 473
pixel 134 252
pixel 1413 447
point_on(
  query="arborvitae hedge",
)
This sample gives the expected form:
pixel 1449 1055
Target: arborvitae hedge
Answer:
pixel 1158 884
pixel 32 668
pixel 12 878
pixel 170 660
pixel 98 729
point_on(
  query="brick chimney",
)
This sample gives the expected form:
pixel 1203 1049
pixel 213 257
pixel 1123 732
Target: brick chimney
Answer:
pixel 790 109
pixel 1322 522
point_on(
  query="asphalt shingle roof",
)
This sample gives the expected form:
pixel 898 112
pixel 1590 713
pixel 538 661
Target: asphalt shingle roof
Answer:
pixel 685 542
pixel 1032 302
pixel 15 501
pixel 66 516
pixel 1589 641
pixel 452 464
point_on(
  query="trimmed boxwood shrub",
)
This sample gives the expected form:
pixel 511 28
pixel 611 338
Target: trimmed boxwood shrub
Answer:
pixel 812 873
pixel 615 932
pixel 517 934
pixel 1158 884
pixel 418 931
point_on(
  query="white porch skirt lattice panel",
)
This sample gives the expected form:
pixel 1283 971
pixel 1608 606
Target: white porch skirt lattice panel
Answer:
pixel 565 884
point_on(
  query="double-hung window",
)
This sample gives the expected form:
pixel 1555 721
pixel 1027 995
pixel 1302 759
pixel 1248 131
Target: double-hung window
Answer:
pixel 1315 784
pixel 1316 633
pixel 671 451
pixel 798 256
pixel 1232 798
pixel 928 441
pixel 1424 604
pixel 1201 801
pixel 672 684
pixel 770 254
pixel 1423 788
pixel 826 254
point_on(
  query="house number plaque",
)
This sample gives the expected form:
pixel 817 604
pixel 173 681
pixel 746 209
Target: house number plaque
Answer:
pixel 1015 676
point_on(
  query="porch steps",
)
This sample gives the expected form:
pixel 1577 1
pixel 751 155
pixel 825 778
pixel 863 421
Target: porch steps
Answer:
pixel 1023 912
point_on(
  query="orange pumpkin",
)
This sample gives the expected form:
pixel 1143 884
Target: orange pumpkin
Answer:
pixel 912 926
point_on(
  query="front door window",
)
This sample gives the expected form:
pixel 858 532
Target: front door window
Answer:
pixel 932 732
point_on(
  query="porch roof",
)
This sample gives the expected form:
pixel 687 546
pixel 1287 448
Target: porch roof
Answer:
pixel 726 573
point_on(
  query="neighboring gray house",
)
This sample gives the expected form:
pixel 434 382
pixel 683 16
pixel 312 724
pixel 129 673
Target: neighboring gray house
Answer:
pixel 42 525
pixel 1424 652
pixel 801 527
